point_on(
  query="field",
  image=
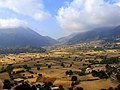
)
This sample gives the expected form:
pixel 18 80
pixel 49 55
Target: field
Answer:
pixel 79 60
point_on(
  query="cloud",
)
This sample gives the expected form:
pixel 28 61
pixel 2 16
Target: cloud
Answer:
pixel 31 8
pixel 12 23
pixel 81 15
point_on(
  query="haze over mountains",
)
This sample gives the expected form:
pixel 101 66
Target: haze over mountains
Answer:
pixel 104 33
pixel 22 36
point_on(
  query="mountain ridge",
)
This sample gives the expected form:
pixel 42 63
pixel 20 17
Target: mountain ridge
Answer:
pixel 21 36
pixel 103 33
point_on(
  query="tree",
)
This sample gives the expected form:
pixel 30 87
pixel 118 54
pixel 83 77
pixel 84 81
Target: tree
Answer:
pixel 40 75
pixel 79 88
pixel 61 87
pixel 38 61
pixel 118 77
pixel 48 85
pixel 107 66
pixel 25 66
pixel 74 78
pixel 9 69
pixel 62 64
pixel 70 65
pixel 72 85
pixel 49 66
pixel 23 86
pixel 7 84
pixel 95 73
pixel 101 74
pixel 69 72
pixel 38 67
pixel 33 88
pixel 111 88
pixel 82 73
pixel 70 88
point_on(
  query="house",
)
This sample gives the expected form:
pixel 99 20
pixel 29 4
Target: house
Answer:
pixel 18 80
pixel 54 88
pixel 88 70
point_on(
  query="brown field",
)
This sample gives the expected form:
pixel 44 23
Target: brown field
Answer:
pixel 55 58
pixel 98 84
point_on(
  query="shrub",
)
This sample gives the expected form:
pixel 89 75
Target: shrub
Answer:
pixel 61 87
pixel 81 73
pixel 7 84
pixel 69 72
pixel 74 78
pixel 49 66
pixel 79 88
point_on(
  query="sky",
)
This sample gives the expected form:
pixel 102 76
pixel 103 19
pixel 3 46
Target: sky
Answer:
pixel 59 18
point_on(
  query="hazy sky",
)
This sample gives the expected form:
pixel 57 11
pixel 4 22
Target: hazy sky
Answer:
pixel 57 18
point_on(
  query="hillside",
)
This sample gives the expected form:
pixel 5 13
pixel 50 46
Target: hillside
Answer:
pixel 105 34
pixel 63 40
pixel 21 36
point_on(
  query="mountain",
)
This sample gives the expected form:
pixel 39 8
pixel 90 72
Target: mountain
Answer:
pixel 104 33
pixel 23 36
pixel 66 39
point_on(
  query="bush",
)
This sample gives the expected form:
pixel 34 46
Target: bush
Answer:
pixel 79 88
pixel 49 66
pixel 61 87
pixel 69 72
pixel 95 73
pixel 7 84
pixel 70 88
pixel 74 78
pixel 23 86
pixel 62 64
pixel 111 88
pixel 118 77
pixel 81 73
pixel 101 74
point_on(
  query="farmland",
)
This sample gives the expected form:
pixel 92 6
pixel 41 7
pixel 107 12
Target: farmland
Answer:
pixel 58 62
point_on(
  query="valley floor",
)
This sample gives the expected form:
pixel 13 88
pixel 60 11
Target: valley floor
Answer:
pixel 80 62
